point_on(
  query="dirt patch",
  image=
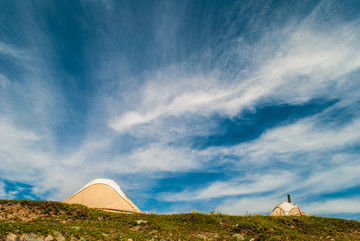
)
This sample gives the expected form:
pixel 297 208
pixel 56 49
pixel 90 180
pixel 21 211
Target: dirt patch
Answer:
pixel 19 212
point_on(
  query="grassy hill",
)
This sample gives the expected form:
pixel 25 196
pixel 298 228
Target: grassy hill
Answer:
pixel 76 222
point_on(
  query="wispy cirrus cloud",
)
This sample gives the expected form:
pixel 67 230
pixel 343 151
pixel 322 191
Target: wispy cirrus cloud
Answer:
pixel 305 62
pixel 301 137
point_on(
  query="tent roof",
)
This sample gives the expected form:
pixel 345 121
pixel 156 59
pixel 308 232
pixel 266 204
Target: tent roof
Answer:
pixel 103 194
pixel 114 185
pixel 287 209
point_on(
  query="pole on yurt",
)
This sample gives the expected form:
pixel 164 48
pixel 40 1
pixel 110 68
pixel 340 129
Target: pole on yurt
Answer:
pixel 289 200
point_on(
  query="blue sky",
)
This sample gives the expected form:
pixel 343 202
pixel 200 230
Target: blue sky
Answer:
pixel 187 104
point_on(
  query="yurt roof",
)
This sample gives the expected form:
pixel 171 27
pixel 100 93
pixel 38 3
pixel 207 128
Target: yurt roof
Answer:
pixel 286 206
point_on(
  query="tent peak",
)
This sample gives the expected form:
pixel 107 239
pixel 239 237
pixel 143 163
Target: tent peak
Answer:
pixel 111 183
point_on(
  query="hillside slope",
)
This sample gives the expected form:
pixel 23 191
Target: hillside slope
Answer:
pixel 51 220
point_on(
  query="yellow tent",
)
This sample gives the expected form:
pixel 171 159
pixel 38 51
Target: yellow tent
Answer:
pixel 103 194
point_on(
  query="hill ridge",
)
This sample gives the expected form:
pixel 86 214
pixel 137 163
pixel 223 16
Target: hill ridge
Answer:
pixel 43 219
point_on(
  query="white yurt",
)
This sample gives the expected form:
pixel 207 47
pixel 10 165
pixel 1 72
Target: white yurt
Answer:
pixel 287 209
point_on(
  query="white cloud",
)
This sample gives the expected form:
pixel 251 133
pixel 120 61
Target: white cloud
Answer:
pixel 332 179
pixel 2 190
pixel 13 52
pixel 333 206
pixel 250 184
pixel 300 137
pixel 14 144
pixel 8 194
pixel 30 109
pixel 155 158
pixel 250 205
pixel 30 158
pixel 265 205
pixel 4 81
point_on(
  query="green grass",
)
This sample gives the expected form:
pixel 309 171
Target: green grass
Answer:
pixel 45 217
